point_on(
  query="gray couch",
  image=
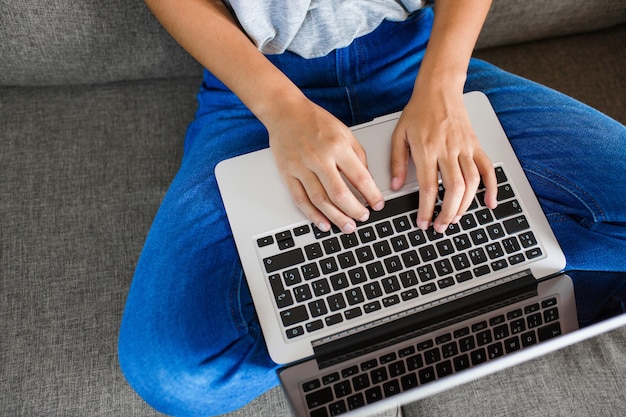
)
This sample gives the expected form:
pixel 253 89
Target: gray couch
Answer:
pixel 94 101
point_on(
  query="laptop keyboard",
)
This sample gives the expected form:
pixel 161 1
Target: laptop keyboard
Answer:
pixel 418 362
pixel 320 279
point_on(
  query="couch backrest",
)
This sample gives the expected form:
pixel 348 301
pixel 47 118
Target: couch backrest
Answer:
pixel 85 41
pixel 98 41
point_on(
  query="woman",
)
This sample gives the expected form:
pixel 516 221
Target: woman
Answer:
pixel 292 75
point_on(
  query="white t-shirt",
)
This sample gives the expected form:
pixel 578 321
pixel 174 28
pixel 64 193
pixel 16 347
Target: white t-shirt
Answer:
pixel 313 28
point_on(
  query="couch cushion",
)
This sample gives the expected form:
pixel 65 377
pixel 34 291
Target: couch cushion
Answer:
pixel 87 41
pixel 512 22
pixel 95 41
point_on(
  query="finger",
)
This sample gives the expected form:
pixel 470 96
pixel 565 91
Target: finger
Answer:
pixel 488 174
pixel 454 184
pixel 301 199
pixel 428 182
pixel 358 175
pixel 336 200
pixel 399 158
pixel 471 175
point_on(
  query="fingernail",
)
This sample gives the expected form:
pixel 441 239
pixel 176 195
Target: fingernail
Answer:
pixel 440 228
pixel 423 224
pixel 348 228
pixel 456 220
pixel 324 227
pixel 364 217
pixel 395 183
pixel 379 206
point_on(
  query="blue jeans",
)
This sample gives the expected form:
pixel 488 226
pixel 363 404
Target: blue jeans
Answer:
pixel 190 343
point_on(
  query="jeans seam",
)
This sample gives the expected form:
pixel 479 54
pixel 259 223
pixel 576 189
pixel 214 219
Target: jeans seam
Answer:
pixel 571 188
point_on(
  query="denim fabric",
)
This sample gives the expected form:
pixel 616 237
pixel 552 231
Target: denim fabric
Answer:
pixel 190 343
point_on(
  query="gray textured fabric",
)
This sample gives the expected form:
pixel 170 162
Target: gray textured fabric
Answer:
pixel 83 42
pixel 563 66
pixel 512 22
pixel 95 41
pixel 313 28
pixel 82 172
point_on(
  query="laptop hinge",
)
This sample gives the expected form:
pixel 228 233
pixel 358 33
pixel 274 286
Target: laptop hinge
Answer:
pixel 429 319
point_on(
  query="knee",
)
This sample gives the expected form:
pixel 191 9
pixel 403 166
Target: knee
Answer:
pixel 182 382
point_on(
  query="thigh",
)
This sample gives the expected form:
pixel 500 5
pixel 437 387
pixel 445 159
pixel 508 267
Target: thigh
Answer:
pixel 190 339
pixel 575 159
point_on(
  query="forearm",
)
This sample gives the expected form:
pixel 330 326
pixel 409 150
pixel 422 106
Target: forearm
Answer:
pixel 207 30
pixel 455 30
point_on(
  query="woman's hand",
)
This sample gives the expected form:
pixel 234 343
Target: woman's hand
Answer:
pixel 436 132
pixel 312 150
pixel 435 129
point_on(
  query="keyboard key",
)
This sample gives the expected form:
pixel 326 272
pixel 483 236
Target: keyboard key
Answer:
pixel 313 251
pixel 426 273
pixel 295 332
pixel 334 319
pixel 410 294
pixel 294 315
pixel 360 382
pixel 367 234
pixel 399 243
pixel 355 401
pixel 384 229
pixel 373 290
pixel 484 216
pixel 517 224
pixel 311 385
pixel 301 230
pixel 393 264
pixel 328 266
pixel 550 331
pixel 283 260
pixel 505 192
pixel 314 326
pixel 375 270
pixel 281 295
pixel 417 237
pixel 427 375
pixel 319 398
pixel 373 394
pixel 390 301
pixel 409 381
pixel 371 307
pixel 410 259
pixel 401 224
pixel 337 408
pixel 320 287
pixel 500 175
pixel 370 364
pixel 428 253
pixel 346 260
pixel 527 239
pixel 507 209
pixel 342 389
pixel 391 388
pixel 317 308
pixel 264 241
pixel 349 240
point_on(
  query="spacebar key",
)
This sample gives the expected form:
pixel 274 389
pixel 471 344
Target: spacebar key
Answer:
pixel 283 260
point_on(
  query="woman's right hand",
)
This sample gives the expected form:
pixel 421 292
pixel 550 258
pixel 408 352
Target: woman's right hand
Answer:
pixel 312 150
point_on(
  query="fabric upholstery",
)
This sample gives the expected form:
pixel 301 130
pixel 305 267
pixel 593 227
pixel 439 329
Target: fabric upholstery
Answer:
pixel 95 41
pixel 94 102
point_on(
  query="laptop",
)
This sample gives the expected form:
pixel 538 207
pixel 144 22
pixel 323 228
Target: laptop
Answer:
pixel 390 314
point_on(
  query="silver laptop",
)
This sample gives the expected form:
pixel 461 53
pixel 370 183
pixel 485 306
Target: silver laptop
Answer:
pixel 390 313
